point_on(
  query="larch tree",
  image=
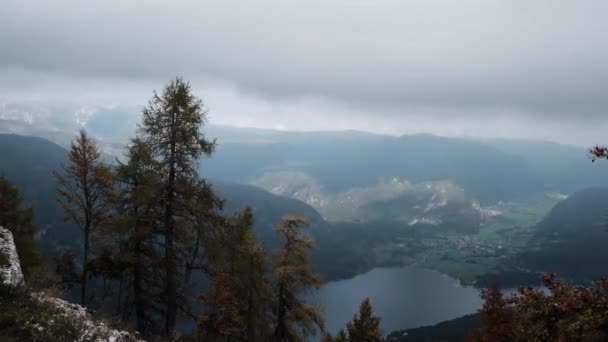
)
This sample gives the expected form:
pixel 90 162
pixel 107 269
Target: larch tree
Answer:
pixel 221 319
pixel 254 285
pixel 340 337
pixel 295 319
pixel 172 128
pixel 84 193
pixel 238 257
pixel 133 232
pixel 365 326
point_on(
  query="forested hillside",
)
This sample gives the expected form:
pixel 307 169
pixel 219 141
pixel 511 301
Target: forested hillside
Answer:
pixel 571 241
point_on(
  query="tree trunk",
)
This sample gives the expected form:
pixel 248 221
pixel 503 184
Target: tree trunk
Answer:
pixel 171 286
pixel 85 262
pixel 280 333
pixel 250 328
pixel 138 290
pixel 170 231
pixel 119 303
pixel 86 231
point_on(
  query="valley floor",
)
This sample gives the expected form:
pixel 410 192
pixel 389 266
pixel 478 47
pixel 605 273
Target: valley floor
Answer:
pixel 473 258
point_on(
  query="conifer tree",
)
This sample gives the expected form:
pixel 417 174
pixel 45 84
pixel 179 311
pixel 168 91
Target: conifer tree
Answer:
pixel 17 219
pixel 365 326
pixel 295 319
pixel 66 269
pixel 133 232
pixel 341 337
pixel 243 261
pixel 254 284
pixel 84 193
pixel 221 319
pixel 171 128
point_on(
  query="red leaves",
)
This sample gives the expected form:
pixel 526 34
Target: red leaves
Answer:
pixel 566 313
pixel 496 317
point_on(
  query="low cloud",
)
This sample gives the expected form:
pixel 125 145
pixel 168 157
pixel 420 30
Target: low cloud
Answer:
pixel 454 67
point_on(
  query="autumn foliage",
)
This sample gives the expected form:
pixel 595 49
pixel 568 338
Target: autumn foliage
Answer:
pixel 221 307
pixel 84 192
pixel 563 313
pixel 295 319
pixel 598 152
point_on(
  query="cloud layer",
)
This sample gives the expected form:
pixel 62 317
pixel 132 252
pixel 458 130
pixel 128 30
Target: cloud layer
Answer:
pixel 469 62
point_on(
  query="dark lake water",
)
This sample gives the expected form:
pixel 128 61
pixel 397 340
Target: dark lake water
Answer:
pixel 404 297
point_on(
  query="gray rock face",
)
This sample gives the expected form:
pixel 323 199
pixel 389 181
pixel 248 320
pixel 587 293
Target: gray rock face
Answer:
pixel 10 267
pixel 93 330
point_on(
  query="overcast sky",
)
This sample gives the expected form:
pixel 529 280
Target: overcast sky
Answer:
pixel 509 68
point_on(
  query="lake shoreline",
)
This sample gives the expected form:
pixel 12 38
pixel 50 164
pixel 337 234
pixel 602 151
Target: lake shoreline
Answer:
pixel 405 297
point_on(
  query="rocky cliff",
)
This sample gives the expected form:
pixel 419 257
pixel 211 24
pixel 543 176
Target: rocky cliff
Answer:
pixel 10 268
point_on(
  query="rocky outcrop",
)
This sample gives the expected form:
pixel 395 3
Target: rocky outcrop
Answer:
pixel 10 267
pixel 91 329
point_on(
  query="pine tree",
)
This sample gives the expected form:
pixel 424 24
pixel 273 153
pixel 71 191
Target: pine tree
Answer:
pixel 84 193
pixel 171 127
pixel 17 219
pixel 295 319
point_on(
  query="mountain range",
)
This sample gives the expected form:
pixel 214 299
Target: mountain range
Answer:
pixel 365 193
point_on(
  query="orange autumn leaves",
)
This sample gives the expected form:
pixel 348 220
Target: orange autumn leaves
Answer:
pixel 221 306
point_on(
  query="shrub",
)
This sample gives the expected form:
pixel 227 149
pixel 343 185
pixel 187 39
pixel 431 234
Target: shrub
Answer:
pixel 25 318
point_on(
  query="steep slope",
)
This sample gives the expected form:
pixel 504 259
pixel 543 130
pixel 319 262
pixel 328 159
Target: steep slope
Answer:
pixel 435 204
pixel 458 329
pixel 267 208
pixel 564 168
pixel 489 170
pixel 572 239
pixel 29 163
pixel 341 160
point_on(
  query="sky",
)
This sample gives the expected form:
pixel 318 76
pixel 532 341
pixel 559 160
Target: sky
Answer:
pixel 486 68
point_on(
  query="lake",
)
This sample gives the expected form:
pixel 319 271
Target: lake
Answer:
pixel 405 297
